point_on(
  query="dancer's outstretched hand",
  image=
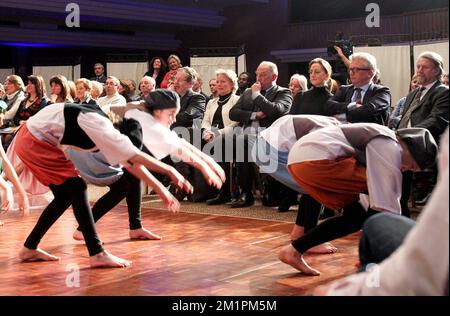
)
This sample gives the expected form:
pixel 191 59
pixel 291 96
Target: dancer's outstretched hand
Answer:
pixel 181 182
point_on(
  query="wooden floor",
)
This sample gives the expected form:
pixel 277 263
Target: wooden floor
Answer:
pixel 199 255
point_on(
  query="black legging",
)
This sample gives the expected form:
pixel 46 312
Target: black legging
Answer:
pixel 351 220
pixel 71 192
pixel 129 187
pixel 308 212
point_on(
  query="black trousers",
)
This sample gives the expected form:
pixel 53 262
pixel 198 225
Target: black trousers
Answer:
pixel 71 192
pixel 127 187
pixel 351 220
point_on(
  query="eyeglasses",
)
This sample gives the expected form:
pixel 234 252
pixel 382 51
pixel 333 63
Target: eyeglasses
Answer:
pixel 357 69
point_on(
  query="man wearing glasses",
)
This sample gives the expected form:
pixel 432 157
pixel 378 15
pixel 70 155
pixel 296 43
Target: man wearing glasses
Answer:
pixel 362 101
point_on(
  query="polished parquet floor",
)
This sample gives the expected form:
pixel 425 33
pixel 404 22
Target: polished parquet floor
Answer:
pixel 199 254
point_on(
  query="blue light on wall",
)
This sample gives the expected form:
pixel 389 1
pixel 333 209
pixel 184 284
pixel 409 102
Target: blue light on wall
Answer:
pixel 28 44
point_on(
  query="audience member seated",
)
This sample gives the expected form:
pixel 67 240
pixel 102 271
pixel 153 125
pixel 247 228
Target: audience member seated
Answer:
pixel 97 90
pixel 60 90
pixel 445 79
pixel 189 117
pixel 112 95
pixel 146 86
pixel 216 125
pixel 362 101
pixel 192 104
pixel 313 101
pixel 124 90
pixel 35 101
pixel 297 84
pixel 396 115
pixel 174 63
pixel 72 89
pixel 14 89
pixel 197 87
pixel 157 70
pixel 213 88
pixel 84 88
pixel 258 107
pixel 425 107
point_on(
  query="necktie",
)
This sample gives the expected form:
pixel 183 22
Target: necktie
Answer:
pixel 358 96
pixel 263 92
pixel 404 122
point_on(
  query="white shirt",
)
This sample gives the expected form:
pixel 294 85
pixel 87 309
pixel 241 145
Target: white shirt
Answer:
pixel 116 100
pixel 281 134
pixel 420 265
pixel 159 140
pixel 383 163
pixel 49 124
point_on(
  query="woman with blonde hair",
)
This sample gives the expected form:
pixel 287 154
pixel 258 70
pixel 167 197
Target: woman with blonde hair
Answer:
pixel 14 89
pixel 174 63
pixel 216 123
pixel 313 100
pixel 297 84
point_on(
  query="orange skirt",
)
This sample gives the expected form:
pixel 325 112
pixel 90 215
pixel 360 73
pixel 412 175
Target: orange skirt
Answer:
pixel 333 183
pixel 47 162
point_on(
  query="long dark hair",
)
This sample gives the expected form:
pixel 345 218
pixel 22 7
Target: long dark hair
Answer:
pixel 39 85
pixel 163 66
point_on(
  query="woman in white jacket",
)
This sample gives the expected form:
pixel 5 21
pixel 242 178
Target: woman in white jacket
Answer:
pixel 217 124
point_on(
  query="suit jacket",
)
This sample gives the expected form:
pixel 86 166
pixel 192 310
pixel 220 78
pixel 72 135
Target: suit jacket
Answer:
pixel 192 108
pixel 374 109
pixel 276 103
pixel 432 111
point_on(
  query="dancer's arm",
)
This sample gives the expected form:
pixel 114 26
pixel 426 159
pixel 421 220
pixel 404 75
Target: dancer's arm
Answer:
pixel 155 165
pixel 142 173
pixel 212 172
pixel 12 176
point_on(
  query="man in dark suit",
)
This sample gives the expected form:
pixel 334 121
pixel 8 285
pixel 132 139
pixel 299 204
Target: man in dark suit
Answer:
pixel 426 107
pixel 362 101
pixel 192 104
pixel 259 106
pixel 192 108
pixel 99 71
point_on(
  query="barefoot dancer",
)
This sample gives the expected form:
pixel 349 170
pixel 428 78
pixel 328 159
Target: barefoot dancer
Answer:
pixel 271 151
pixel 39 145
pixel 335 164
pixel 161 108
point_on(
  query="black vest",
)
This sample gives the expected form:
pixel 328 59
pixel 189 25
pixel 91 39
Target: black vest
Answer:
pixel 360 134
pixel 73 134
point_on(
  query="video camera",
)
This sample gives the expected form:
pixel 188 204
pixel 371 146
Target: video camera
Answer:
pixel 345 45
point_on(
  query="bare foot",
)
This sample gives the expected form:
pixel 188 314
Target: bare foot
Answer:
pixel 106 260
pixel 292 257
pixel 36 255
pixel 324 248
pixel 297 232
pixel 77 235
pixel 142 233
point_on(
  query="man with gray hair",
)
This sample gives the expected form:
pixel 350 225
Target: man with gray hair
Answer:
pixel 99 71
pixel 259 106
pixel 363 100
pixel 426 107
